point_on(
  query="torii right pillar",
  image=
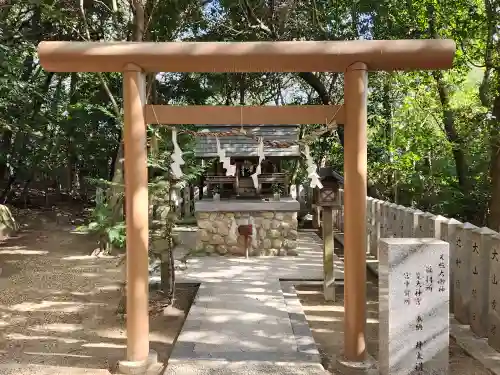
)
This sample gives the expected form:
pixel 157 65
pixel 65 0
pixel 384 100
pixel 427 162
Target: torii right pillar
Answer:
pixel 355 161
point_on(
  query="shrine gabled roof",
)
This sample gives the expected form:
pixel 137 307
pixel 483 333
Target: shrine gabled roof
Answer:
pixel 243 146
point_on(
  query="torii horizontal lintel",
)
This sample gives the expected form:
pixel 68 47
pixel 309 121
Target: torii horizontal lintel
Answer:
pixel 244 115
pixel 296 56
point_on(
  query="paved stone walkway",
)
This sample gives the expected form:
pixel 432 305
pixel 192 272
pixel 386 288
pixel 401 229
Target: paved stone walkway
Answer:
pixel 244 320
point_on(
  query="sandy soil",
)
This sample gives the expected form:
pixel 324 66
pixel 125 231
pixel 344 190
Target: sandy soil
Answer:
pixel 58 305
pixel 326 320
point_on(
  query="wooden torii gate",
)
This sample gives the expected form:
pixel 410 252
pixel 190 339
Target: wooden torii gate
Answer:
pixel 353 58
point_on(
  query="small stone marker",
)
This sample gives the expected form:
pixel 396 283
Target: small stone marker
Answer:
pixel 463 272
pixel 494 293
pixel 449 234
pixel 480 265
pixel 414 306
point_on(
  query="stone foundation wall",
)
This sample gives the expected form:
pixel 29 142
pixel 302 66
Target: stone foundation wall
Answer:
pixel 276 233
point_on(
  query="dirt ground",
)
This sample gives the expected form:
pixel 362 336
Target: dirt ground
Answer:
pixel 58 304
pixel 326 318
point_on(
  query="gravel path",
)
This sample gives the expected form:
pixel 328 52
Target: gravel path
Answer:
pixel 57 306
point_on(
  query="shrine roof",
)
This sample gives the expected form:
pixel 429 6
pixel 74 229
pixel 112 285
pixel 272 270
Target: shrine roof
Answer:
pixel 242 146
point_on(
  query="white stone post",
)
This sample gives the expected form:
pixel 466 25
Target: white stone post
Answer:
pixel 449 234
pixel 384 219
pixel 480 264
pixel 463 290
pixel 414 306
pixel 424 225
pixel 375 235
pixel 393 218
pixel 399 224
pixel 435 226
pixel 408 221
pixel 494 294
pixel 369 214
pixel 415 222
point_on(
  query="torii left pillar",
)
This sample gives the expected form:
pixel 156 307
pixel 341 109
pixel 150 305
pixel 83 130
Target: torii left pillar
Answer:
pixel 139 357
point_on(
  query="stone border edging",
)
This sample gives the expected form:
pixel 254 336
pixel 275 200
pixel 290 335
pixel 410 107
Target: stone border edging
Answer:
pixel 300 326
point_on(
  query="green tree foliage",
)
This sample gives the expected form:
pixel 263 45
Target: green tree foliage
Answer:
pixel 434 141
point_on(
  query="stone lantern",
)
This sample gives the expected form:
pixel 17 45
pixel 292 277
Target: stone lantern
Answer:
pixel 328 196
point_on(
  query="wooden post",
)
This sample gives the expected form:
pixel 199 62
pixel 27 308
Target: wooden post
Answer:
pixel 355 159
pixel 328 251
pixel 316 221
pixel 136 198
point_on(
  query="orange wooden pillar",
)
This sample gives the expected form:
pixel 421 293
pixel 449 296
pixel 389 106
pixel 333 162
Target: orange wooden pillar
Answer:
pixel 136 198
pixel 355 160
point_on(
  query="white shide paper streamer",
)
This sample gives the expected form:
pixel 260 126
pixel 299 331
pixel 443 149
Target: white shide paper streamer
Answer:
pixel 225 160
pixel 176 156
pixel 260 154
pixel 312 169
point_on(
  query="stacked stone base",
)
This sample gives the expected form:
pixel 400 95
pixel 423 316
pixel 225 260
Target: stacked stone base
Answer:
pixel 276 233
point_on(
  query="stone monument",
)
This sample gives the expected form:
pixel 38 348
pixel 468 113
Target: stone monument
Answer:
pixel 414 306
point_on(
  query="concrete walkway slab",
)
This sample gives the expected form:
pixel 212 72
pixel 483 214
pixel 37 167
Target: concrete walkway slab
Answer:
pixel 224 367
pixel 244 321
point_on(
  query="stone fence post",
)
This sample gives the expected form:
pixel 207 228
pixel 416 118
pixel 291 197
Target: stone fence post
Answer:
pixel 384 220
pixel 400 222
pixel 392 220
pixel 449 234
pixel 369 222
pixel 480 265
pixel 414 222
pixel 435 226
pixel 494 294
pixel 407 222
pixel 423 225
pixel 463 272
pixel 375 234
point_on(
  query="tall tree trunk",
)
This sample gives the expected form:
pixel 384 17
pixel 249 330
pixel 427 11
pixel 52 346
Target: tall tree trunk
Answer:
pixel 6 136
pixel 115 191
pixel 494 204
pixel 455 140
pixel 388 129
pixel 492 45
pixel 71 155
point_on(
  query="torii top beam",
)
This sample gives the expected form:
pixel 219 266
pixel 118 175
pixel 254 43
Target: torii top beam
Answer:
pixel 300 56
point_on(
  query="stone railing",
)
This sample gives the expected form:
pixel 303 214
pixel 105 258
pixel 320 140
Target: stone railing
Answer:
pixel 474 260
